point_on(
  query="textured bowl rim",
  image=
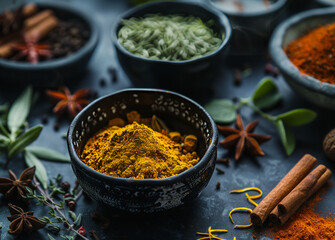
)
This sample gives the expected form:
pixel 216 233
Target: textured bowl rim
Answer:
pixel 63 61
pixel 179 177
pixel 223 21
pixel 283 62
pixel 274 7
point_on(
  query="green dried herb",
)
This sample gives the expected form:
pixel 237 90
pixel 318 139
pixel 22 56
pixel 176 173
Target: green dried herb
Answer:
pixel 169 37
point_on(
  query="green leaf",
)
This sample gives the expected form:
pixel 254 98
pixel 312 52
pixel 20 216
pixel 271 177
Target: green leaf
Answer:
pixel 51 238
pixel 19 111
pixel 266 94
pixel 24 140
pixel 286 136
pixel 41 172
pixel 72 215
pixel 297 117
pixel 77 224
pixel 3 131
pixel 222 110
pixel 48 154
pixel 4 141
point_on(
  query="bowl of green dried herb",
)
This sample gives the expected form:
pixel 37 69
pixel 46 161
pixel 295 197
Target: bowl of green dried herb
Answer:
pixel 173 45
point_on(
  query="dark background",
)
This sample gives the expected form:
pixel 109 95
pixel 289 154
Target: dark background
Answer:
pixel 213 206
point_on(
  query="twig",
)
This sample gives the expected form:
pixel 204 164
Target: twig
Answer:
pixel 50 203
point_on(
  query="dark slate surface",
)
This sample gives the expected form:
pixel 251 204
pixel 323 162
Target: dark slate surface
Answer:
pixel 212 207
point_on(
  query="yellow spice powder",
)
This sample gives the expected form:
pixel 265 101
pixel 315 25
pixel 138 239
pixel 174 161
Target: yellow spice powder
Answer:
pixel 136 151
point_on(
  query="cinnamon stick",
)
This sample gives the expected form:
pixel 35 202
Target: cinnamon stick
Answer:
pixel 43 28
pixel 285 186
pixel 37 18
pixel 29 9
pixel 277 218
pixel 301 191
pixel 39 31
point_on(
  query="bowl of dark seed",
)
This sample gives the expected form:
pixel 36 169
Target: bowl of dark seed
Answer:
pixel 45 44
pixel 143 150
pixel 173 45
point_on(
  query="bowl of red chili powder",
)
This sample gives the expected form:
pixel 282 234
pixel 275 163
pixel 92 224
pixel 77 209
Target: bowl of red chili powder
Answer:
pixel 149 194
pixel 303 48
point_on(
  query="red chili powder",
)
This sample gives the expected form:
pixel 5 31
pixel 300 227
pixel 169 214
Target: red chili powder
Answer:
pixel 314 53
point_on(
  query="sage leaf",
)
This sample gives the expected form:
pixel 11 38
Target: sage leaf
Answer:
pixel 77 224
pixel 222 110
pixel 3 130
pixel 24 140
pixel 40 173
pixel 267 94
pixel 72 215
pixel 48 154
pixel 4 140
pixel 286 136
pixel 19 111
pixel 297 117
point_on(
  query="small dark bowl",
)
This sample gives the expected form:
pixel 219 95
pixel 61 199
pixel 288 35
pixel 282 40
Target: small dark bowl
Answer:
pixel 325 3
pixel 251 30
pixel 148 195
pixel 53 72
pixel 183 76
pixel 308 87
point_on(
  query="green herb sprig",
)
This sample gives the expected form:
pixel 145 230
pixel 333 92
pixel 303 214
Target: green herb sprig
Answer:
pixel 169 37
pixel 56 219
pixel 15 138
pixel 265 96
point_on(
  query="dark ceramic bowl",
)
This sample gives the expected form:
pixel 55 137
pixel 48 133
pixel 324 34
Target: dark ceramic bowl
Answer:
pixel 251 30
pixel 309 88
pixel 325 3
pixel 56 71
pixel 148 195
pixel 183 76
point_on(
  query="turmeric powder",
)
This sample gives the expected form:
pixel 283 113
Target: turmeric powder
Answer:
pixel 137 151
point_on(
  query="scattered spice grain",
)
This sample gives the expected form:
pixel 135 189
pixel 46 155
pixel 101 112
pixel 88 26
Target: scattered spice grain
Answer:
pixel 225 161
pixel 218 186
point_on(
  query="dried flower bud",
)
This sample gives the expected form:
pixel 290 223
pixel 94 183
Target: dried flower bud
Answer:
pixel 71 205
pixel 65 186
pixel 82 231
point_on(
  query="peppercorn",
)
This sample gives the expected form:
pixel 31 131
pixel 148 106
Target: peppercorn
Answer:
pixel 56 126
pixel 65 186
pixel 218 186
pixel 45 119
pixel 102 82
pixel 66 224
pixel 72 205
pixel 82 231
pixel 275 72
pixel 268 68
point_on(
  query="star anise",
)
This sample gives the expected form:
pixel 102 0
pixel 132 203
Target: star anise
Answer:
pixel 243 139
pixel 65 101
pixel 22 221
pixel 14 188
pixel 32 50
